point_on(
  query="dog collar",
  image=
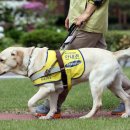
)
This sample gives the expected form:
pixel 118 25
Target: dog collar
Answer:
pixel 30 60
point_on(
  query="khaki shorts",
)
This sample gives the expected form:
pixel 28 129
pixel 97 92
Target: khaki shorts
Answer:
pixel 85 39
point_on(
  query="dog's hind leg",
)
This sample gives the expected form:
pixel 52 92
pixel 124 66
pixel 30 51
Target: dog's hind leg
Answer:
pixel 97 101
pixel 97 88
pixel 99 79
pixel 117 89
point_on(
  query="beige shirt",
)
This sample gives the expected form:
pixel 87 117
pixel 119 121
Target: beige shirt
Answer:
pixel 97 23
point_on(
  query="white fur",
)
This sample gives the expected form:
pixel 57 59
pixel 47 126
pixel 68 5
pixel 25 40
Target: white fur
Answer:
pixel 101 69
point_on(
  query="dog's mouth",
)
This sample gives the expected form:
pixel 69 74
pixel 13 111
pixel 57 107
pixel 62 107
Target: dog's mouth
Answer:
pixel 2 73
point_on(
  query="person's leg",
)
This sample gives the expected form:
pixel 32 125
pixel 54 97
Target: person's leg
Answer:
pixel 82 40
pixel 126 83
pixel 101 43
pixel 43 109
pixel 126 86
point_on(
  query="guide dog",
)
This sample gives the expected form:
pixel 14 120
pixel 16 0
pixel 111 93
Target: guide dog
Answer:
pixel 102 70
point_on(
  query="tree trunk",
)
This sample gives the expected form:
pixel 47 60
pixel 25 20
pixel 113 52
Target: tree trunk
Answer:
pixel 66 7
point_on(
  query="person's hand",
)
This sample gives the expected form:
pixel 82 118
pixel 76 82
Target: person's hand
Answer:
pixel 86 14
pixel 81 19
pixel 67 23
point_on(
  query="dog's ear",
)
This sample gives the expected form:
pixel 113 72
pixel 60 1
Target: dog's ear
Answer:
pixel 13 53
pixel 18 56
pixel 38 59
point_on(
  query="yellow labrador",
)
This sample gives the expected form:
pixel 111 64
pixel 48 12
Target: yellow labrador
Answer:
pixel 101 69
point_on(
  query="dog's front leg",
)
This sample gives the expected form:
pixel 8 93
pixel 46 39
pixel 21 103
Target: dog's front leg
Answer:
pixel 53 106
pixel 41 94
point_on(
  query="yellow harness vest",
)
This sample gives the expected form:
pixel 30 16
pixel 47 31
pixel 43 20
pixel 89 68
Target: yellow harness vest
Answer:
pixel 74 67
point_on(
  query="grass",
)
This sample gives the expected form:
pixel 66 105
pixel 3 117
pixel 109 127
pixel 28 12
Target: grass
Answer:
pixel 68 124
pixel 14 94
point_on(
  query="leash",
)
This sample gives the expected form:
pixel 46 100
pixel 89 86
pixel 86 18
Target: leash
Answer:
pixel 68 40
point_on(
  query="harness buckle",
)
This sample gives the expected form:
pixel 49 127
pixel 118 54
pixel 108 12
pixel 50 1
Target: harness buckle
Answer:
pixel 62 68
pixel 47 72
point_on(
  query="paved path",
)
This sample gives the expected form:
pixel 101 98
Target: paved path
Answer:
pixel 13 116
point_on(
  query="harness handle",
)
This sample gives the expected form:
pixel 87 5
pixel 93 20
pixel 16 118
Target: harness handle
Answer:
pixel 72 28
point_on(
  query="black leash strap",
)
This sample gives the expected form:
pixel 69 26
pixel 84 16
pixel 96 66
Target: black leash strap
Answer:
pixel 72 28
pixel 62 67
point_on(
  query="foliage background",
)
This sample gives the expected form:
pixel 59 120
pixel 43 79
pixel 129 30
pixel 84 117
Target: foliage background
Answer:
pixel 46 27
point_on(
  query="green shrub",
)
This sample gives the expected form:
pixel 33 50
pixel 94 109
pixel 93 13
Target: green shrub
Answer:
pixel 49 38
pixel 117 40
pixel 6 42
pixel 14 34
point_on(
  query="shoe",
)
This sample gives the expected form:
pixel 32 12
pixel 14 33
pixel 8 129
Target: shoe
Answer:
pixel 42 110
pixel 119 110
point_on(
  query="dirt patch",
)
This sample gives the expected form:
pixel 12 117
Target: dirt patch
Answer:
pixel 101 114
pixel 13 116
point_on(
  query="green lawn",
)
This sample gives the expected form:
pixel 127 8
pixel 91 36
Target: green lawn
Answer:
pixel 68 124
pixel 15 93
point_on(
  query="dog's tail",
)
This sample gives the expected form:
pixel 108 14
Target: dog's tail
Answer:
pixel 122 54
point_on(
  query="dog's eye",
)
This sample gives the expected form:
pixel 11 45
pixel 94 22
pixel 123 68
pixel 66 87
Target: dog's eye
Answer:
pixel 12 54
pixel 1 60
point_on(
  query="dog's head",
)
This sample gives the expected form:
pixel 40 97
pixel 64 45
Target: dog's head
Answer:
pixel 17 60
pixel 10 59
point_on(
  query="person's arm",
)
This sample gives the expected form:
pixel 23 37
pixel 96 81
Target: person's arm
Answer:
pixel 67 23
pixel 86 14
pixel 91 7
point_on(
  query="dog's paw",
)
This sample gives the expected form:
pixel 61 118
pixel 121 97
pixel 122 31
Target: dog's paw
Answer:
pixel 125 115
pixel 44 118
pixel 84 117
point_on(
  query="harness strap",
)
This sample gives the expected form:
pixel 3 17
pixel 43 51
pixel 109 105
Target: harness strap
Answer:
pixel 63 72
